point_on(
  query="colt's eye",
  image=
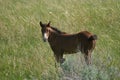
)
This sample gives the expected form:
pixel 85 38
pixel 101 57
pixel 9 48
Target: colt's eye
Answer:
pixel 47 30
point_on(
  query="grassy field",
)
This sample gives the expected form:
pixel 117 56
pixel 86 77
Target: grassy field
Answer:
pixel 24 56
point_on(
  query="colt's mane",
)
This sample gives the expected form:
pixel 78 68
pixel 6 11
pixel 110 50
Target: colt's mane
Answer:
pixel 58 31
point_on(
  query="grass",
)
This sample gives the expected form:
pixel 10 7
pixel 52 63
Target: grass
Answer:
pixel 24 56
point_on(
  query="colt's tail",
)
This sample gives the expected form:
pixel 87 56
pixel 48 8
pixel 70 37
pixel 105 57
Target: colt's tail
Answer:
pixel 93 37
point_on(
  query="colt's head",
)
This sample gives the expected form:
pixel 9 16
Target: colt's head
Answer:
pixel 45 30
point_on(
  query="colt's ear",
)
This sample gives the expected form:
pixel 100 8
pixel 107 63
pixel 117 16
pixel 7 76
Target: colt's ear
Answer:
pixel 49 24
pixel 41 24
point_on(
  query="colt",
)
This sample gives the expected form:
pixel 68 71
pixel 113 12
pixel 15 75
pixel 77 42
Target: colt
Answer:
pixel 64 43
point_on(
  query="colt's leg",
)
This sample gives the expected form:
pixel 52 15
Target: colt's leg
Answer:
pixel 58 54
pixel 90 62
pixel 57 57
pixel 61 58
pixel 87 57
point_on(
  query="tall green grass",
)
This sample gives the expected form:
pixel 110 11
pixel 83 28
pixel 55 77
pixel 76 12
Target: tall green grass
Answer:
pixel 24 56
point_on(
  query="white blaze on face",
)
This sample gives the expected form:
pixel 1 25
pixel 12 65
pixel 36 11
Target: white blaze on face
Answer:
pixel 45 36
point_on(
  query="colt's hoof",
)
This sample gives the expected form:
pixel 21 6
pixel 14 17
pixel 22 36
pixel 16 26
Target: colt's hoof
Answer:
pixel 62 60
